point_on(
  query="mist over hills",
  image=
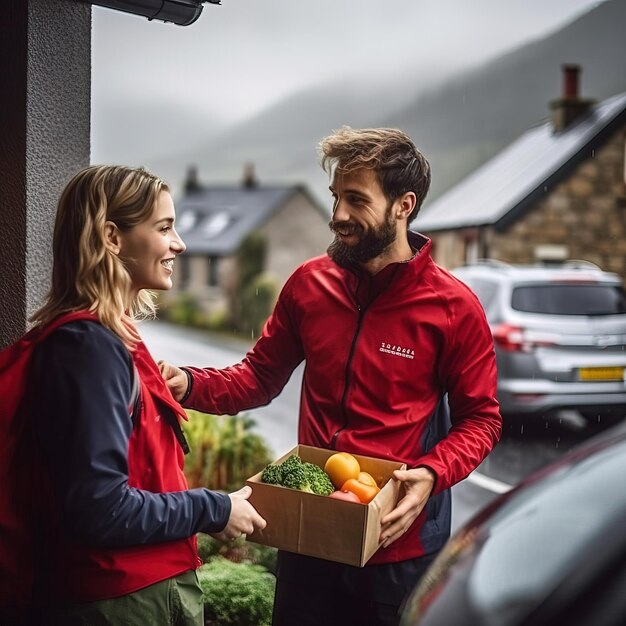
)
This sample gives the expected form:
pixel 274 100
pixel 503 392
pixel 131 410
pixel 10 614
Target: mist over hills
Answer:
pixel 458 124
pixel 476 114
pixel 119 128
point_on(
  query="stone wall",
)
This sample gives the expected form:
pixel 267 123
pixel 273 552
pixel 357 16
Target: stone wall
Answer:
pixel 299 231
pixel 586 213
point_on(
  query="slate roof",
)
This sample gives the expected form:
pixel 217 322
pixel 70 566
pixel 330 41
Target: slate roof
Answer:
pixel 214 221
pixel 498 191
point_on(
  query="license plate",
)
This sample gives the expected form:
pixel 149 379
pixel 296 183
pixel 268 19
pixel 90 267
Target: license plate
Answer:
pixel 601 373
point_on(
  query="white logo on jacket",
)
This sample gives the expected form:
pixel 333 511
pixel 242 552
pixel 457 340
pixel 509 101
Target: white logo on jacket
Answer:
pixel 390 348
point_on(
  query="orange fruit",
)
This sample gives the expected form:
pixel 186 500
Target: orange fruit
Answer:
pixel 340 467
pixel 366 478
pixel 365 493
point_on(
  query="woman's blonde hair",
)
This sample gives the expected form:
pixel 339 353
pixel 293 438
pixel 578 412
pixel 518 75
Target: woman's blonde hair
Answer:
pixel 86 274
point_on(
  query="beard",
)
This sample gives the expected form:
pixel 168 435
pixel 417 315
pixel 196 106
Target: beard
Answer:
pixel 370 244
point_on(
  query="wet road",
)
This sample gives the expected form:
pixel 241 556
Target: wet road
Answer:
pixel 522 450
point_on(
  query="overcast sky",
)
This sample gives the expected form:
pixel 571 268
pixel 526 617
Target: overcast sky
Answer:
pixel 246 54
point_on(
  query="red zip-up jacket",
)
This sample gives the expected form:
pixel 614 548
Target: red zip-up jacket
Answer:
pixel 377 375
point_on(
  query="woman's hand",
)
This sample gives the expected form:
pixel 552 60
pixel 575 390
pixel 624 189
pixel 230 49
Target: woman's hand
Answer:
pixel 243 519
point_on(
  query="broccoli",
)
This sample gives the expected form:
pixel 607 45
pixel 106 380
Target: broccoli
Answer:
pixel 296 474
pixel 319 480
pixel 272 474
pixel 291 464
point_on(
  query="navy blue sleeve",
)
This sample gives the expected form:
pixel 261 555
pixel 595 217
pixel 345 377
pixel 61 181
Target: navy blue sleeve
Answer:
pixel 81 396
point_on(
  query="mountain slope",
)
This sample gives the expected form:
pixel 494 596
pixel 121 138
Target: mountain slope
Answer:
pixel 458 125
pixel 475 115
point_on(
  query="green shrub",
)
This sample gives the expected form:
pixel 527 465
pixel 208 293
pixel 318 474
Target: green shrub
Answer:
pixel 251 257
pixel 224 451
pixel 253 293
pixel 219 321
pixel 263 555
pixel 184 310
pixel 257 301
pixel 237 551
pixel 236 594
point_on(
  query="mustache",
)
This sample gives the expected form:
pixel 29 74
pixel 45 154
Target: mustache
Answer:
pixel 345 228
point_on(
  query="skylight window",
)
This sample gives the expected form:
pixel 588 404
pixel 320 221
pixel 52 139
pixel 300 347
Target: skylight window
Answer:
pixel 216 224
pixel 186 221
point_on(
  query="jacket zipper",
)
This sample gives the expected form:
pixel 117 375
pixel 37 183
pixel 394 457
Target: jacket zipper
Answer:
pixel 361 313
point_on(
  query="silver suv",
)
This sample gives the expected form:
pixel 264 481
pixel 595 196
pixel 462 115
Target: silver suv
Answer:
pixel 560 337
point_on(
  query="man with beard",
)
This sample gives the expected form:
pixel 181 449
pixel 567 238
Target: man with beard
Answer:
pixel 399 365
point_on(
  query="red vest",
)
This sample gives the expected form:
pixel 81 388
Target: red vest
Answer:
pixel 155 461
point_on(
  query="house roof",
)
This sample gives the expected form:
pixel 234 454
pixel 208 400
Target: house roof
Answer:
pixel 498 191
pixel 215 220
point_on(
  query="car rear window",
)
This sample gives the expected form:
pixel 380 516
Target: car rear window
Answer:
pixel 485 290
pixel 569 299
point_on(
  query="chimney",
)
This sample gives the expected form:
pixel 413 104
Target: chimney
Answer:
pixel 191 184
pixel 249 178
pixel 570 106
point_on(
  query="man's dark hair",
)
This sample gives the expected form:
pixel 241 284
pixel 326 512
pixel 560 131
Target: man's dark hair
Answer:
pixel 390 153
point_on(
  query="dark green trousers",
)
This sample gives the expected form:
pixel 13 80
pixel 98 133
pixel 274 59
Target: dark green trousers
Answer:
pixel 173 602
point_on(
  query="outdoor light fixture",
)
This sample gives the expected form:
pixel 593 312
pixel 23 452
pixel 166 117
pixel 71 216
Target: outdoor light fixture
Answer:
pixel 181 12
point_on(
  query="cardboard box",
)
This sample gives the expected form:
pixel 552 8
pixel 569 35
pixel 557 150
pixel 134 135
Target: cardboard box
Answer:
pixel 346 532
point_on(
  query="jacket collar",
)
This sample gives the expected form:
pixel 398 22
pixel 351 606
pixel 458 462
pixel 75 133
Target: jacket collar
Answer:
pixel 369 287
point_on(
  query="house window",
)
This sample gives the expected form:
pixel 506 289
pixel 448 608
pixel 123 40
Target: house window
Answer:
pixel 213 272
pixel 216 223
pixel 186 221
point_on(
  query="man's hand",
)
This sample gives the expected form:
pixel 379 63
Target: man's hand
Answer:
pixel 243 519
pixel 175 379
pixel 418 484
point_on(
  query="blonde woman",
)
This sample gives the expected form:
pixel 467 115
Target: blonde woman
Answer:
pixel 120 544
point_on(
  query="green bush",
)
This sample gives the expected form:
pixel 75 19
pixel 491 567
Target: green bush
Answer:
pixel 184 310
pixel 257 301
pixel 224 451
pixel 236 594
pixel 237 551
pixel 236 580
pixel 251 257
pixel 218 321
pixel 253 293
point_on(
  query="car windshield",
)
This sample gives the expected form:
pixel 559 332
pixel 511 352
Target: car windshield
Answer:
pixel 569 299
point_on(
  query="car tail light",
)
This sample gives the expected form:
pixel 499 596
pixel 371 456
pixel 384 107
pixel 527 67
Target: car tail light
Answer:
pixel 517 339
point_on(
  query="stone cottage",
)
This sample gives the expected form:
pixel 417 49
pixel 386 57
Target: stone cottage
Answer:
pixel 214 220
pixel 558 192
